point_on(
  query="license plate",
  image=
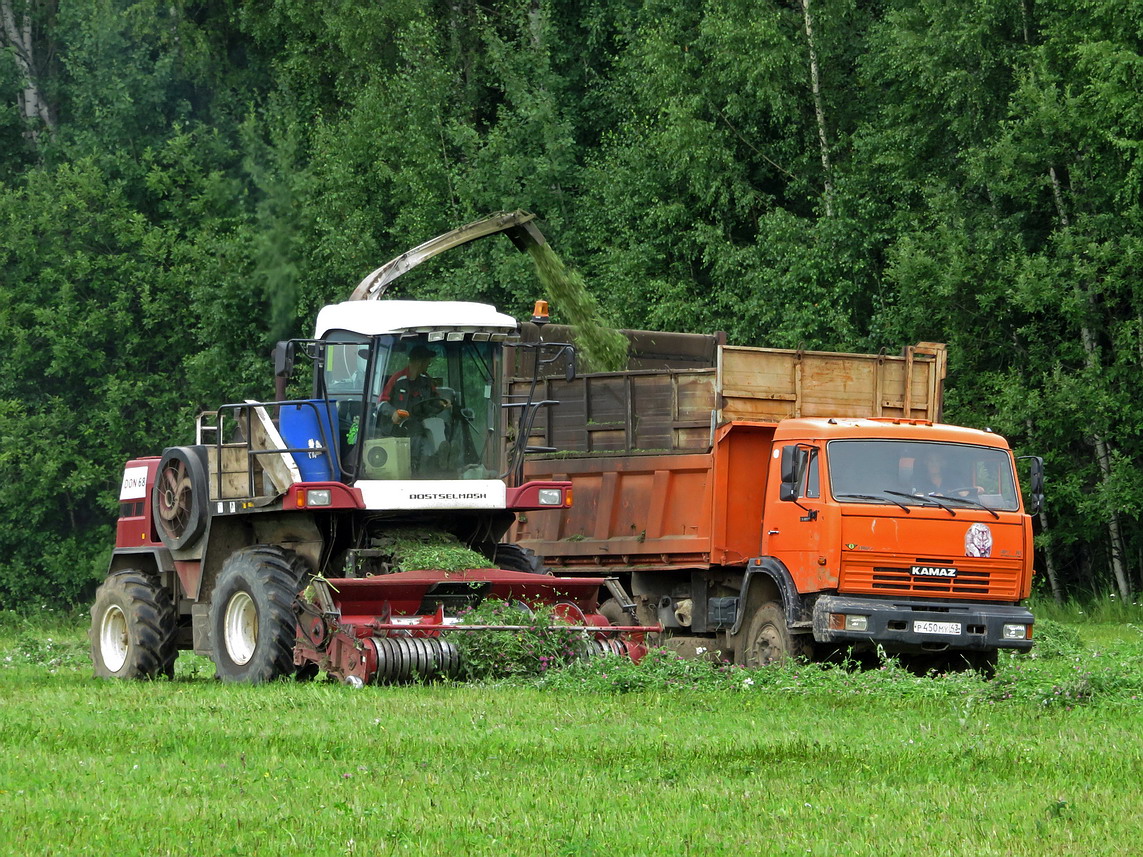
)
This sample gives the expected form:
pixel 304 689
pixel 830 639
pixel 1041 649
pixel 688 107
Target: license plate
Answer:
pixel 951 628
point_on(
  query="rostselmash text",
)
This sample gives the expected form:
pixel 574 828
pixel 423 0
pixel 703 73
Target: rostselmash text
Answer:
pixel 448 496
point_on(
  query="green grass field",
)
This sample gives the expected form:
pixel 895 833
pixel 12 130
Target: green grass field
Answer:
pixel 599 759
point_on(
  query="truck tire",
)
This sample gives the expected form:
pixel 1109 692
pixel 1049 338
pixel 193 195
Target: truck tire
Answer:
pixel 614 613
pixel 132 628
pixel 179 497
pixel 952 662
pixel 252 623
pixel 768 639
pixel 515 558
pixel 984 662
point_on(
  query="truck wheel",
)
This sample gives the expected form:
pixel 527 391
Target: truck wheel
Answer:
pixel 132 628
pixel 768 639
pixel 515 558
pixel 613 613
pixel 984 663
pixel 252 622
pixel 179 497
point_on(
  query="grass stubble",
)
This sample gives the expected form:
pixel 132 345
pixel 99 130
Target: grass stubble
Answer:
pixel 598 758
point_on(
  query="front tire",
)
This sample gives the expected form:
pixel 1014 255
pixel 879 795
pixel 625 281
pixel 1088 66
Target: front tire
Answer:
pixel 252 622
pixel 132 628
pixel 768 638
pixel 512 557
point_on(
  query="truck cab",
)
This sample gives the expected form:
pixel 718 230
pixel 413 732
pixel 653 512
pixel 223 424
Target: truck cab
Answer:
pixel 903 532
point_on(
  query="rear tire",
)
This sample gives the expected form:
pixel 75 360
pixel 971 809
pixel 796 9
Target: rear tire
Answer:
pixel 768 638
pixel 252 623
pixel 132 628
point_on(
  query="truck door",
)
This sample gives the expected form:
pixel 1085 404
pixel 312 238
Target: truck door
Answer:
pixel 793 516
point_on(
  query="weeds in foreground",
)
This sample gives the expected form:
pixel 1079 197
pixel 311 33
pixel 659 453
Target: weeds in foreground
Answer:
pixel 1065 669
pixel 36 649
pixel 1105 609
pixel 1053 682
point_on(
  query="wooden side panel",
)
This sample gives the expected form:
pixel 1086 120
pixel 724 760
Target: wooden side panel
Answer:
pixel 665 410
pixel 771 384
pixel 623 411
pixel 235 475
pixel 230 463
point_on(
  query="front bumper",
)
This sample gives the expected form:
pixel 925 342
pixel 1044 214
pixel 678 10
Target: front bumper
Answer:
pixel 907 625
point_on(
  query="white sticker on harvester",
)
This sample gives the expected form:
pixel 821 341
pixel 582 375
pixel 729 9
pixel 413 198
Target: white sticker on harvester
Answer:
pixel 433 494
pixel 134 485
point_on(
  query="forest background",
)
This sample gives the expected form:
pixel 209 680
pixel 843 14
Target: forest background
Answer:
pixel 184 183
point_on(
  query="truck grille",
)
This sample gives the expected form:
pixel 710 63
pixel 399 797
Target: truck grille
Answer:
pixel 997 579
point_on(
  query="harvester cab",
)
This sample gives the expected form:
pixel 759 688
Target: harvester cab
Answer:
pixel 405 392
pixel 407 400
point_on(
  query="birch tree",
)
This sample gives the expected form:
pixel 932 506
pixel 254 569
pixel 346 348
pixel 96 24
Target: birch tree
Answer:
pixel 21 27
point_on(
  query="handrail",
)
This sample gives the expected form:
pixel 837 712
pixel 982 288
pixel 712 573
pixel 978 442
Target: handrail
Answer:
pixel 246 421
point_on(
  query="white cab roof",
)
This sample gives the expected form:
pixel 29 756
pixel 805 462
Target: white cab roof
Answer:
pixel 371 317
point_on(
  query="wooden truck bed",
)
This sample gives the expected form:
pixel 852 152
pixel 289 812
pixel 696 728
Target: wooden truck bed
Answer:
pixel 667 410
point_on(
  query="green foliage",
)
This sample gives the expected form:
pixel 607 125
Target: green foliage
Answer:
pixel 537 644
pixel 219 171
pixel 1055 640
pixel 182 766
pixel 415 548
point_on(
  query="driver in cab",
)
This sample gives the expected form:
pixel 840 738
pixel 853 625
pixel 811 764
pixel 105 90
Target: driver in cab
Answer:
pixel 411 389
pixel 935 481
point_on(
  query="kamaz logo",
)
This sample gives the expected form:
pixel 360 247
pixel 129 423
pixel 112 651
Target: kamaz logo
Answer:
pixel 933 571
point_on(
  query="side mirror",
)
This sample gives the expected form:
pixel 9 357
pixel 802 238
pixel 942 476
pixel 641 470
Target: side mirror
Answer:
pixel 793 463
pixel 283 355
pixel 1035 483
pixel 570 374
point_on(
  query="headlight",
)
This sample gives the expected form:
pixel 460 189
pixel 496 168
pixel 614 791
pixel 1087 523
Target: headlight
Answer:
pixel 319 497
pixel 551 497
pixel 857 623
pixel 847 622
pixel 1017 632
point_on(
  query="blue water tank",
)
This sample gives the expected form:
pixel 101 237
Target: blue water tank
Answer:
pixel 312 425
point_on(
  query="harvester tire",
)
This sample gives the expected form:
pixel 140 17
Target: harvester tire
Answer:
pixel 512 557
pixel 179 497
pixel 132 628
pixel 252 623
pixel 768 638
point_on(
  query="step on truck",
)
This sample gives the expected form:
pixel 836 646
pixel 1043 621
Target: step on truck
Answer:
pixel 266 544
pixel 764 503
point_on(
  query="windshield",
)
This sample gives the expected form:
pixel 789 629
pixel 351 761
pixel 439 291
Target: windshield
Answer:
pixel 916 473
pixel 409 408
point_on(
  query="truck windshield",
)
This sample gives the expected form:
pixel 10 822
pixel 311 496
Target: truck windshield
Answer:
pixel 913 472
pixel 409 408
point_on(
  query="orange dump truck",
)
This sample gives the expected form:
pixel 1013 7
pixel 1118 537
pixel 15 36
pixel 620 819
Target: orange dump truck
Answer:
pixel 763 503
